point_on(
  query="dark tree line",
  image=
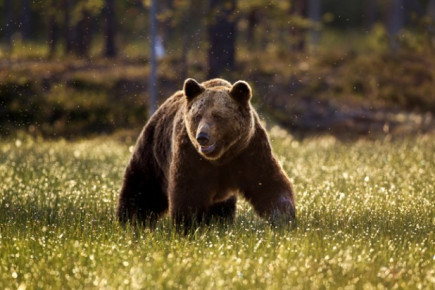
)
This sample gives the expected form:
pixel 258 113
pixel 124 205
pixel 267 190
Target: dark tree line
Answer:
pixel 71 24
pixel 214 26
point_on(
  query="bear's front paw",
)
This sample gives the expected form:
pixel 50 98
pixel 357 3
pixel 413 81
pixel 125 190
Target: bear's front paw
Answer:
pixel 284 213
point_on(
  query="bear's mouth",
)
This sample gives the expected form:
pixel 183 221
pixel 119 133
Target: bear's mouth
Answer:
pixel 207 149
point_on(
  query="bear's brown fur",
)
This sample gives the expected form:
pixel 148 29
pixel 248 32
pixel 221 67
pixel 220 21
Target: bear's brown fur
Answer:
pixel 201 148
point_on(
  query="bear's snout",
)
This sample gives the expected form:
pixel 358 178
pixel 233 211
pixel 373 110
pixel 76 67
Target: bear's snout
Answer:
pixel 203 138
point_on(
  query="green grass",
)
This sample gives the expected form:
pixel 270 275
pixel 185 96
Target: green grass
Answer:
pixel 365 220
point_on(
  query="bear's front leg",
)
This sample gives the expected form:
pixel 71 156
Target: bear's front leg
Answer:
pixel 223 211
pixel 274 204
pixel 189 202
pixel 191 185
pixel 263 182
pixel 271 194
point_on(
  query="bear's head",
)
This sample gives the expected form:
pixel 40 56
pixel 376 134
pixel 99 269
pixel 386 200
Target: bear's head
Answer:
pixel 218 116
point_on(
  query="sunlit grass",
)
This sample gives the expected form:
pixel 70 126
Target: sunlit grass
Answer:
pixel 365 219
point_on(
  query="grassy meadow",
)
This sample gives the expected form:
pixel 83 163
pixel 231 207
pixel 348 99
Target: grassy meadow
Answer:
pixel 366 220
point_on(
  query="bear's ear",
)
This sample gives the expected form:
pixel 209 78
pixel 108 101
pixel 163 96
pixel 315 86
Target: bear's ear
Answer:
pixel 241 92
pixel 192 89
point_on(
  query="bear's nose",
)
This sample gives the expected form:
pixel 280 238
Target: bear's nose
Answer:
pixel 202 138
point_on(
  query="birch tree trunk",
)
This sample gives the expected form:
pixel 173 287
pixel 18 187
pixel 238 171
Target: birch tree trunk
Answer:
pixel 395 22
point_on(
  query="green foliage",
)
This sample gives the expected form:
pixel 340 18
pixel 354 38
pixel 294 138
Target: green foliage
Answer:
pixel 344 13
pixel 74 97
pixel 349 70
pixel 84 102
pixel 365 220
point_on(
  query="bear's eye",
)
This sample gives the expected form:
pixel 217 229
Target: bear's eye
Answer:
pixel 217 117
pixel 197 118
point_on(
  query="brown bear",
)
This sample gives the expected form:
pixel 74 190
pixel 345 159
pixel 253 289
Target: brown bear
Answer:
pixel 200 149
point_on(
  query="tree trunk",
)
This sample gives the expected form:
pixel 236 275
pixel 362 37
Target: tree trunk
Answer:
pixel 25 19
pixel 395 21
pixel 110 30
pixel 314 13
pixel 9 21
pixel 68 29
pixel 370 14
pixel 430 12
pixel 53 34
pixel 253 20
pixel 153 59
pixel 298 9
pixel 221 32
pixel 83 35
pixel 184 51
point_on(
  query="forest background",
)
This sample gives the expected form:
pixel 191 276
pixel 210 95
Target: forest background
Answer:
pixel 347 68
